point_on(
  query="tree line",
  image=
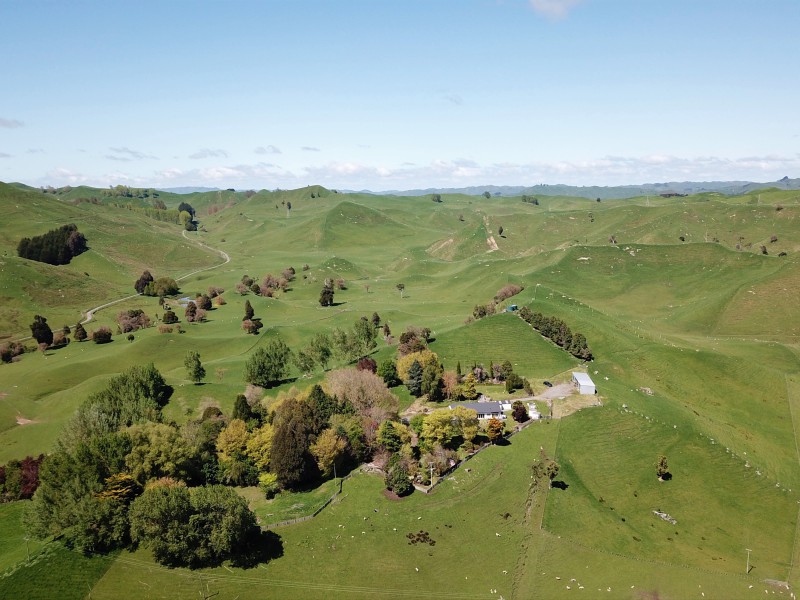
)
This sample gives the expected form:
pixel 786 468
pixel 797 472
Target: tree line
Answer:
pixel 56 247
pixel 559 332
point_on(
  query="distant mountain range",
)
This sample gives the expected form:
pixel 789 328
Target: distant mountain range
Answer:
pixel 608 192
pixel 593 191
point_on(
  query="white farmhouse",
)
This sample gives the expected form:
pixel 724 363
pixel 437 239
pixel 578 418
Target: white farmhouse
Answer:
pixel 584 383
pixel 485 410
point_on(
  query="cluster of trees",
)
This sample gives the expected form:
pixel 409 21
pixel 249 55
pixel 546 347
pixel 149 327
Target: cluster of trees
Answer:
pixel 269 364
pixel 530 199
pixel 147 285
pixel 119 476
pixel 250 323
pixel 19 478
pixel 124 191
pixel 268 285
pixel 507 291
pixel 428 445
pixel 559 332
pixel 504 293
pixel 56 247
pixel 132 320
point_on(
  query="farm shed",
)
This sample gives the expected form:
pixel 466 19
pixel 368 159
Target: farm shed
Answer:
pixel 485 410
pixel 584 383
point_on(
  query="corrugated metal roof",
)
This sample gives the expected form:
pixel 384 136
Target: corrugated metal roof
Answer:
pixel 482 408
pixel 582 378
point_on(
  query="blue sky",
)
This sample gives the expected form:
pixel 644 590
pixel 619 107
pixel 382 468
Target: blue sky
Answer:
pixel 389 94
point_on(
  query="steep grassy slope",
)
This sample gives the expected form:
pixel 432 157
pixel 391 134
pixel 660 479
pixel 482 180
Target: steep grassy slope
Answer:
pixel 122 244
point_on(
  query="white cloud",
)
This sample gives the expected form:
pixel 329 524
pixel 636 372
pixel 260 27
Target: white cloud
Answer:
pixel 310 149
pixel 35 150
pixel 125 154
pixel 267 150
pixel 454 99
pixel 209 153
pixel 61 175
pixel 461 172
pixel 4 155
pixel 554 9
pixel 10 123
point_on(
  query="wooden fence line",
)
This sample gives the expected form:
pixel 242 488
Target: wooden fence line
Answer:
pixel 317 511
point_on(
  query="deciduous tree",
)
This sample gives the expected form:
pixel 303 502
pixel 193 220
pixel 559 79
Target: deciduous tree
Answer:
pixel 194 368
pixel 494 429
pixel 141 284
pixel 268 364
pixel 519 412
pixel 157 450
pixel 329 451
pixel 388 371
pixel 320 349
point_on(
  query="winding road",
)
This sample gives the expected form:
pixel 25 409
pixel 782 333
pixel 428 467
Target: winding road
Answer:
pixel 89 314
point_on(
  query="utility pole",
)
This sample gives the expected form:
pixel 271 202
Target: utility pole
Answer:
pixel 431 485
pixel 747 571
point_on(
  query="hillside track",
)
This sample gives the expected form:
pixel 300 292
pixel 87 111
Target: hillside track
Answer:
pixel 89 314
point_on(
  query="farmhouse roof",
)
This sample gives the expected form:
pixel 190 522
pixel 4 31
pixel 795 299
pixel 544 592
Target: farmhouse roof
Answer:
pixel 582 378
pixel 482 408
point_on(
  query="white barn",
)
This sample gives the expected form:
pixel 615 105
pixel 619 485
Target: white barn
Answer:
pixel 584 383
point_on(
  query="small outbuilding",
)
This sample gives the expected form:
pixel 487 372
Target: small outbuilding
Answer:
pixel 584 383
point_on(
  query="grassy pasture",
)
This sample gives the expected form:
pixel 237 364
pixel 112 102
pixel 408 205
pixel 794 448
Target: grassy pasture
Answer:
pixel 503 337
pixel 709 329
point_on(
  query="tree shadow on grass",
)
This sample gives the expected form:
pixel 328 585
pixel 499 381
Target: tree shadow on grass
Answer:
pixel 263 547
pixel 560 485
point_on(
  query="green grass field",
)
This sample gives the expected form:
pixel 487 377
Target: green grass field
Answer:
pixel 711 330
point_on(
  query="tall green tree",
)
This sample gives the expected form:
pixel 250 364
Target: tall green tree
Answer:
pixel 432 383
pixel 388 371
pixel 268 364
pixel 195 527
pixel 414 381
pixel 326 295
pixel 364 337
pixel 320 349
pixel 294 432
pixel 469 392
pixel 194 368
pixel 41 331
